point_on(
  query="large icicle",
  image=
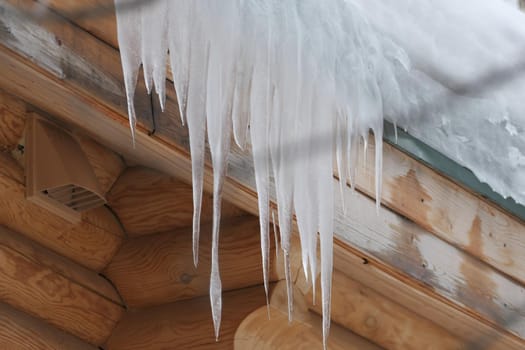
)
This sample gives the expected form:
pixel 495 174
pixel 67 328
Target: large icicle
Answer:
pixel 300 81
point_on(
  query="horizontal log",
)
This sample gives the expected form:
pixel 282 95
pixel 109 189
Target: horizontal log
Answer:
pixel 257 332
pixel 400 288
pixel 103 119
pixel 92 242
pixel 379 319
pixel 446 209
pixel 12 121
pixel 22 332
pixel 158 269
pixel 60 265
pixel 94 16
pixel 185 324
pixel 148 201
pixel 449 271
pixel 41 284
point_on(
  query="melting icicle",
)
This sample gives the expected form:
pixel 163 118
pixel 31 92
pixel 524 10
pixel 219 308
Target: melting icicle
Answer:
pixel 300 81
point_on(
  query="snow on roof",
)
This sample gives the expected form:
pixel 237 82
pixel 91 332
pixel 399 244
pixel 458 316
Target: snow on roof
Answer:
pixel 466 88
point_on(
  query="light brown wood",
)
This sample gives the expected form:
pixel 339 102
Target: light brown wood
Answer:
pixel 95 16
pixel 106 164
pixel 186 324
pixel 37 288
pixel 381 320
pixel 400 288
pixel 102 118
pixel 257 332
pixel 89 243
pixel 12 121
pixel 157 269
pixel 447 210
pixel 60 265
pixel 19 331
pixel 148 201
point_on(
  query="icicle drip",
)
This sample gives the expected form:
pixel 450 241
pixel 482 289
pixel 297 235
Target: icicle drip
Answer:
pixel 155 46
pixel 301 82
pixel 129 37
pixel 181 17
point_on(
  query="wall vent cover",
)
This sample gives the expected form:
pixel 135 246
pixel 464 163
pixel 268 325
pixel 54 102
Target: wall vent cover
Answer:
pixel 59 175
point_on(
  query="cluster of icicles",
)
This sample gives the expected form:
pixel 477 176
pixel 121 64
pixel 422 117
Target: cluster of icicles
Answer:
pixel 300 81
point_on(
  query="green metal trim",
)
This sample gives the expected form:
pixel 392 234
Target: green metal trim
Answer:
pixel 448 167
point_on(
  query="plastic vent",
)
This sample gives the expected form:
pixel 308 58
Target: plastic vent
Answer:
pixel 59 175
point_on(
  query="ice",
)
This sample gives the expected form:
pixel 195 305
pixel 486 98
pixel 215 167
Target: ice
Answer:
pixel 301 83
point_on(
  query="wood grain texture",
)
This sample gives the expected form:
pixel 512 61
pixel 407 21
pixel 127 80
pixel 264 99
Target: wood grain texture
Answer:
pixel 90 243
pixel 157 269
pixel 186 324
pixel 450 272
pixel 257 332
pixel 98 19
pixel 12 121
pixel 74 103
pixel 106 164
pixel 474 331
pixel 19 331
pixel 381 320
pixel 39 290
pixel 148 201
pixel 57 263
pixel 447 210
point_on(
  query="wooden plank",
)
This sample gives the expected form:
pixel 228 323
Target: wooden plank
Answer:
pixel 399 287
pixel 379 319
pixel 449 271
pixel 94 16
pixel 60 265
pixel 157 269
pixel 99 118
pixel 19 331
pixel 89 243
pixel 257 332
pixel 186 324
pixel 39 290
pixel 12 122
pixel 447 210
pixel 169 202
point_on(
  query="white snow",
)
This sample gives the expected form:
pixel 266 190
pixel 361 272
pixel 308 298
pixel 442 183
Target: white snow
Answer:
pixel 303 80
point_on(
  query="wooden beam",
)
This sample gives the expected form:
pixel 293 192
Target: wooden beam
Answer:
pixel 92 242
pixel 186 324
pixel 169 154
pixel 22 332
pixel 169 202
pixel 447 210
pixel 12 122
pixel 94 16
pixel 41 284
pixel 257 332
pixel 157 269
pixel 60 265
pixel 475 333
pixel 379 319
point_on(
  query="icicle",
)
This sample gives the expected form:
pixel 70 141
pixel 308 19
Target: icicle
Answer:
pixel 130 50
pixel 281 75
pixel 275 234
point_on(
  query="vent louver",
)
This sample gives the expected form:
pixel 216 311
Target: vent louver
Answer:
pixel 59 175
